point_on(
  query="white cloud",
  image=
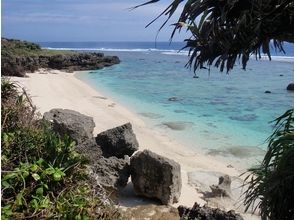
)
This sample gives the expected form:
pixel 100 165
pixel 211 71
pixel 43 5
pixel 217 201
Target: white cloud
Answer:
pixel 86 18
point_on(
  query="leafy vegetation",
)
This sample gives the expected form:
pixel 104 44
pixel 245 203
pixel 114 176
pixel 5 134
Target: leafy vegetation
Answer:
pixel 223 32
pixel 271 183
pixel 42 175
pixel 25 48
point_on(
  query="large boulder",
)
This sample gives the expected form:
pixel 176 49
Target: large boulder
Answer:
pixel 290 87
pixel 72 123
pixel 112 173
pixel 207 213
pixel 90 150
pixel 118 141
pixel 155 176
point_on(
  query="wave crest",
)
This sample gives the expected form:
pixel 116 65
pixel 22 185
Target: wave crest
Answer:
pixel 162 51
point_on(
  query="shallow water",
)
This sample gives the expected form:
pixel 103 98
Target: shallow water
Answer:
pixel 215 110
pixel 218 113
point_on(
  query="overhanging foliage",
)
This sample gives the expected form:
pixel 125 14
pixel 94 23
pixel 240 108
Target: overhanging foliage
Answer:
pixel 226 31
pixel 270 185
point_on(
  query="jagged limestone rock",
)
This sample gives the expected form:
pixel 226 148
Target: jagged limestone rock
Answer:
pixel 118 141
pixel 155 176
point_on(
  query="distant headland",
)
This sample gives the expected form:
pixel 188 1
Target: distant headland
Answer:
pixel 19 57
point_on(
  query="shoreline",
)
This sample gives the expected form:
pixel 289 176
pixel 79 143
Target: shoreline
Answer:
pixel 239 156
pixel 59 89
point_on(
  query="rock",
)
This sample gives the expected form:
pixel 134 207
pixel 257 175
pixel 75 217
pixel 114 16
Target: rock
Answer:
pixel 155 176
pixel 15 62
pixel 180 111
pixel 151 115
pixel 74 124
pixel 81 61
pixel 207 213
pixel 248 117
pixel 178 125
pixel 112 173
pixel 118 141
pixel 290 87
pixel 91 151
pixel 173 99
pixel 151 212
pixel 223 188
pixel 267 91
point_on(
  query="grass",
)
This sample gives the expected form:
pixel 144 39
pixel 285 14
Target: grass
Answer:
pixel 24 48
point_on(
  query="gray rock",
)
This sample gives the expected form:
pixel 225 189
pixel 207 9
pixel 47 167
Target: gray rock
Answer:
pixel 178 125
pixel 173 99
pixel 290 87
pixel 74 124
pixel 207 213
pixel 112 173
pixel 223 188
pixel 155 176
pixel 90 150
pixel 118 141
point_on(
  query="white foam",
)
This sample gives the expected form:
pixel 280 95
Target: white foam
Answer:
pixel 263 57
pixel 99 49
pixel 177 53
pixel 116 49
pixel 279 58
pixel 165 52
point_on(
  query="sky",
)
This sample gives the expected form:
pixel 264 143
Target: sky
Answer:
pixel 83 20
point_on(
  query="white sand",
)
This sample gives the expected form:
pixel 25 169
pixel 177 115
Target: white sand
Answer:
pixel 64 90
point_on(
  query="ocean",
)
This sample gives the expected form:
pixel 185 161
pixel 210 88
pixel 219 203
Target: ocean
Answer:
pixel 217 113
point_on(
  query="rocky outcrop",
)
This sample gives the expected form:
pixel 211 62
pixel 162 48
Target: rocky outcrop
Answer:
pixel 118 141
pixel 72 123
pixel 19 57
pixel 78 127
pixel 18 65
pixel 112 173
pixel 155 176
pixel 290 87
pixel 79 61
pixel 207 213
pixel 91 151
pixel 223 188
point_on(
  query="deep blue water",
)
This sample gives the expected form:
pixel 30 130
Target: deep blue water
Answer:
pixel 136 46
pixel 218 111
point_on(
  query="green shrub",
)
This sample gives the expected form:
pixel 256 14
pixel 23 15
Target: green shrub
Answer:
pixel 11 48
pixel 271 184
pixel 42 175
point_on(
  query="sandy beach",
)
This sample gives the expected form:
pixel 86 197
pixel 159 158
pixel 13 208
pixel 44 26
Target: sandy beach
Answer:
pixel 56 89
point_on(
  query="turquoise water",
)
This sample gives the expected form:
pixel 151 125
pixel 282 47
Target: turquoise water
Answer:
pixel 218 110
pixel 215 112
